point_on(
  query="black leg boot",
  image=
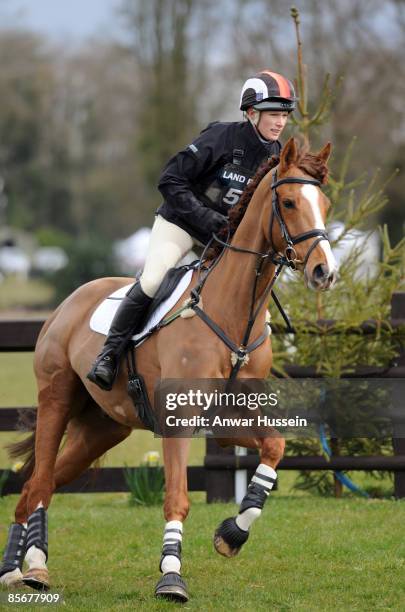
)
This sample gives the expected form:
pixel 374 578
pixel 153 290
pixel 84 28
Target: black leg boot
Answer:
pixel 127 321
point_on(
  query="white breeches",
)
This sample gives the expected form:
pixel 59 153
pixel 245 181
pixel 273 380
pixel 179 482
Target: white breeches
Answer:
pixel 168 244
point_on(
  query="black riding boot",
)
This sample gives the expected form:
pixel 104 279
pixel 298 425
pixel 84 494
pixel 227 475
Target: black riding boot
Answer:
pixel 127 321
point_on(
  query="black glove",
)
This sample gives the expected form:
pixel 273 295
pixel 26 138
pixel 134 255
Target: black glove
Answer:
pixel 214 221
pixel 199 216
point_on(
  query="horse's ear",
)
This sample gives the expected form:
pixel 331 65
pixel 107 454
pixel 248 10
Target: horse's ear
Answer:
pixel 288 155
pixel 325 152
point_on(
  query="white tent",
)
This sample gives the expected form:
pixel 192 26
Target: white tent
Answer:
pixel 13 260
pixel 130 253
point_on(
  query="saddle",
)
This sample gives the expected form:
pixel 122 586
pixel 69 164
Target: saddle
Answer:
pixel 173 286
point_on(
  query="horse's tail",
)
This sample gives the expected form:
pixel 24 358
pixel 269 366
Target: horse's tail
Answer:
pixel 25 449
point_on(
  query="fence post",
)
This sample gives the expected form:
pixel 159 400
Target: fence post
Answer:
pixel 398 444
pixel 220 483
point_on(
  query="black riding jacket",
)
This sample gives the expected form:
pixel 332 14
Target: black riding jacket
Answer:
pixel 200 183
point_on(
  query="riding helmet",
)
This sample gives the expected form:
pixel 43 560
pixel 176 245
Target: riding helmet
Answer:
pixel 268 91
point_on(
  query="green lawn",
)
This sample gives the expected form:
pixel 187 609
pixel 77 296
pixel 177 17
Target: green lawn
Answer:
pixel 303 554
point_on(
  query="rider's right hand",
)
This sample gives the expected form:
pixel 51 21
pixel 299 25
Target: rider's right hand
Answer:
pixel 198 216
pixel 215 221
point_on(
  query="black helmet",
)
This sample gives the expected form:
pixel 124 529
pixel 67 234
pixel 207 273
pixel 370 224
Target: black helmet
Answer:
pixel 268 91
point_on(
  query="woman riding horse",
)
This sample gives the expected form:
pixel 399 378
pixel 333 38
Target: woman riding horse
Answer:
pixel 279 218
pixel 199 185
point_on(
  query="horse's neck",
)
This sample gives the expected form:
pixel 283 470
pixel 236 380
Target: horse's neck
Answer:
pixel 232 281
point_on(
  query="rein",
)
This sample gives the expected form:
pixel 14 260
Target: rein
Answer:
pixel 288 258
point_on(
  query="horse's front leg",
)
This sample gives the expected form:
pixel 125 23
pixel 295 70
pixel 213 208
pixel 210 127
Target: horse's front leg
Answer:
pixel 176 507
pixel 233 532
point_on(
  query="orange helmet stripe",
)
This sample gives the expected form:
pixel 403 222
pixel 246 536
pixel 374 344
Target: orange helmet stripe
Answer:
pixel 282 83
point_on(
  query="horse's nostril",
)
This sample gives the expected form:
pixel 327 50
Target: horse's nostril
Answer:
pixel 321 272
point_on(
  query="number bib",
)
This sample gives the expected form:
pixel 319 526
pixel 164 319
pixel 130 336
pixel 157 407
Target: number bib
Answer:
pixel 228 186
pixel 234 178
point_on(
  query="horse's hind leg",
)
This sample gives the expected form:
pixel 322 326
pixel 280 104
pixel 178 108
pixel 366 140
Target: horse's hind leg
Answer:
pixel 89 435
pixel 61 393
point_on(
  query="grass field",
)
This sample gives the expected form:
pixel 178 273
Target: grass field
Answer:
pixel 303 554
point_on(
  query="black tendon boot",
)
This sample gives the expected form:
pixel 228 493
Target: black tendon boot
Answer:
pixel 127 321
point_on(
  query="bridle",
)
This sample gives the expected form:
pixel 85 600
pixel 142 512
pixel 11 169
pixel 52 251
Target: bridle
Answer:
pixel 290 253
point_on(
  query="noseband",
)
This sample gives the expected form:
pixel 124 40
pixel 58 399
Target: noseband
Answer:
pixel 290 253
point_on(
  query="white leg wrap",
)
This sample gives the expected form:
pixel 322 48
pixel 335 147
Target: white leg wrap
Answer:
pixel 262 474
pixel 170 564
pixel 35 557
pixel 247 517
pixel 265 477
pixel 173 535
pixel 11 578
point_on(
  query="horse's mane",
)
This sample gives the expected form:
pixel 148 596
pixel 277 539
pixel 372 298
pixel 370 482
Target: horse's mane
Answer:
pixel 306 161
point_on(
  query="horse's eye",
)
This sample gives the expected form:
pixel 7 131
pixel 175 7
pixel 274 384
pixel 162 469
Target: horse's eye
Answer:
pixel 288 203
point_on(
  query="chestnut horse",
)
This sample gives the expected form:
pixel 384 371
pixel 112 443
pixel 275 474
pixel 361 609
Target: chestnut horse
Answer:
pixel 280 214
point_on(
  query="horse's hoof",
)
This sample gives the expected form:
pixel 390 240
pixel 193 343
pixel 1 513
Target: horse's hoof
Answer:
pixel 13 579
pixel 172 586
pixel 229 538
pixel 37 579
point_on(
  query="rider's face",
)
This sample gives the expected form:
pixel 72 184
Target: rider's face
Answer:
pixel 271 124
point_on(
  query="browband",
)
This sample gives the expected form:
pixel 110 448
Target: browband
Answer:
pixel 293 179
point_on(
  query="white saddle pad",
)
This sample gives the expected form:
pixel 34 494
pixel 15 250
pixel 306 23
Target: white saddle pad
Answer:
pixel 103 315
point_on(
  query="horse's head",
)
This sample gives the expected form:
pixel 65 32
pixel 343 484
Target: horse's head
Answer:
pixel 295 224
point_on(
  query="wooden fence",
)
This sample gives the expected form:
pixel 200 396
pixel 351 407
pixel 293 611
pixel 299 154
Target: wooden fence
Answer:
pixel 217 476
